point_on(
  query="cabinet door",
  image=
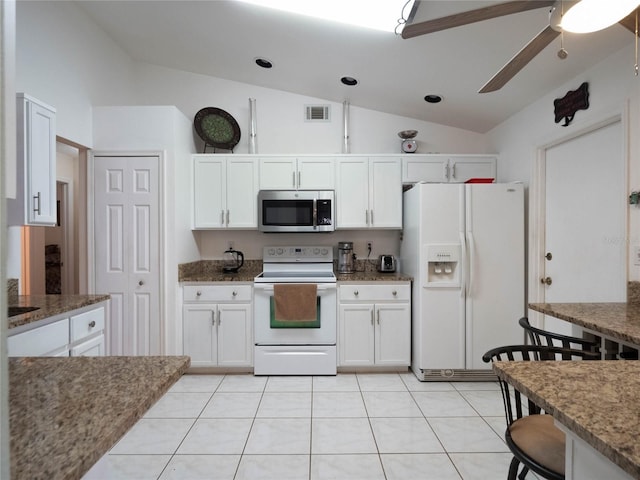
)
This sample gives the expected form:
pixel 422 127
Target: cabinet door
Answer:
pixel 48 340
pixel 462 169
pixel 199 334
pixel 209 192
pixel 393 334
pixel 242 190
pixel 41 165
pixel 352 193
pixel 356 335
pixel 424 168
pixel 278 173
pixel 316 173
pixel 90 348
pixel 235 335
pixel 385 193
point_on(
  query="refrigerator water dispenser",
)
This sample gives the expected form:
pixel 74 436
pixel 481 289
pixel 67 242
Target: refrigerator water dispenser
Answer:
pixel 443 265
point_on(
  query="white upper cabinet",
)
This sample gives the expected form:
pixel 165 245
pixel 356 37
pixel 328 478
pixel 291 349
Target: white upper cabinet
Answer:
pixel 35 202
pixel 369 192
pixel 225 192
pixel 447 168
pixel 302 173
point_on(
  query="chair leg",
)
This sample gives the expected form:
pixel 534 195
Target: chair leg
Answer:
pixel 513 469
pixel 524 472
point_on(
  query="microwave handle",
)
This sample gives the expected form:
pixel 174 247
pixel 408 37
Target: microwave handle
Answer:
pixel 315 213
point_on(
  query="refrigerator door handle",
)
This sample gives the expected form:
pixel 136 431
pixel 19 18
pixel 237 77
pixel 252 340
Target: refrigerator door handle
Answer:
pixel 463 265
pixel 472 247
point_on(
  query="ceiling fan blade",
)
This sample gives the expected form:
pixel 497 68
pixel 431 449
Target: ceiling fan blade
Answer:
pixel 472 16
pixel 629 22
pixel 520 60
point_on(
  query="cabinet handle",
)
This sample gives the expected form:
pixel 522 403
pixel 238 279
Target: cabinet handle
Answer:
pixel 198 293
pixel 36 209
pixel 234 293
pixel 299 179
pixel 222 217
pixel 92 323
pixel 394 293
pixel 293 179
pixel 356 293
pixel 227 218
pixel 378 316
pixel 219 317
pixel 453 170
pixel 371 218
pixel 366 217
pixel 213 318
pixel 372 323
pixel 446 170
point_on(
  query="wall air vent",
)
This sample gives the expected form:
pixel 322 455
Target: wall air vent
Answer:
pixel 317 113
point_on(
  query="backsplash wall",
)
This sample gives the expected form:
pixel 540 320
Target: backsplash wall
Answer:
pixel 212 244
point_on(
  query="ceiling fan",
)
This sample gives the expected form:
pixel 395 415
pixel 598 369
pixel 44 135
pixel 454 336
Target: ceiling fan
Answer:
pixel 524 56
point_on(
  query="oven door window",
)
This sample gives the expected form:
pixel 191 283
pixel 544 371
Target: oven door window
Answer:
pixel 274 323
pixel 288 213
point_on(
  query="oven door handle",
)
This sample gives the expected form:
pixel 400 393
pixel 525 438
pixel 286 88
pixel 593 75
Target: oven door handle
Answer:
pixel 269 287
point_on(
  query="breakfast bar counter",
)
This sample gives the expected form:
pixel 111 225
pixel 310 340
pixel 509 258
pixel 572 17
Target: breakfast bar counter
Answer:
pixel 595 402
pixel 65 413
pixel 619 321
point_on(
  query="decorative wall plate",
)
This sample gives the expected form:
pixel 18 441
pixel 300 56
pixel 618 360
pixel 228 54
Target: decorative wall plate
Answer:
pixel 217 128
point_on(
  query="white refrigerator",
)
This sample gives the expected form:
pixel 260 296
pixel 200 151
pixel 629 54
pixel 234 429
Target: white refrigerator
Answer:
pixel 464 246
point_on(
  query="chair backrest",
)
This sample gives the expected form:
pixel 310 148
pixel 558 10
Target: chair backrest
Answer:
pixel 538 336
pixel 513 400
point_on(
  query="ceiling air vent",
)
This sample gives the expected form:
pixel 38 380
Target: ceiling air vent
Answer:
pixel 316 113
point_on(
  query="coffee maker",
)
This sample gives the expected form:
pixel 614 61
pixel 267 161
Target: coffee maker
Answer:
pixel 346 257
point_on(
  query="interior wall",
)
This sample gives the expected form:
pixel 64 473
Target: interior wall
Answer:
pixel 281 127
pixel 613 90
pixel 56 40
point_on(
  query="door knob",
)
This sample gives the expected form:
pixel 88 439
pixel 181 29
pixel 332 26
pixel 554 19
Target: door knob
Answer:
pixel 140 283
pixel 546 280
pixel 548 256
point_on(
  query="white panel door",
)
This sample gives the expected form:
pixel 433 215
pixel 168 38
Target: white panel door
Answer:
pixel 127 259
pixel 496 278
pixel 393 334
pixel 241 188
pixel 585 220
pixel 235 338
pixel 356 340
pixel 316 173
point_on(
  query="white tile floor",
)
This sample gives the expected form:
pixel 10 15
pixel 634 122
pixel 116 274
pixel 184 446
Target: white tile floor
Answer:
pixel 351 426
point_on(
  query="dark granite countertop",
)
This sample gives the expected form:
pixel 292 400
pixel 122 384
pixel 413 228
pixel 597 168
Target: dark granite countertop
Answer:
pixel 211 271
pixel 620 321
pixel 49 305
pixel 597 400
pixel 65 413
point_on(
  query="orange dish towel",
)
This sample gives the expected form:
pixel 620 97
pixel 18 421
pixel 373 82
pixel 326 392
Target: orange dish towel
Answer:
pixel 295 302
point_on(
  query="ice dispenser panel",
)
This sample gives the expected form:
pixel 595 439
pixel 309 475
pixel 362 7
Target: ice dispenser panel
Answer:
pixel 443 265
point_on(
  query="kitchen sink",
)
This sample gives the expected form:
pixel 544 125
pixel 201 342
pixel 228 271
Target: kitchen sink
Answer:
pixel 15 310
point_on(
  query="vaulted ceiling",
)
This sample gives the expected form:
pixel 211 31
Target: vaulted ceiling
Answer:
pixel 222 38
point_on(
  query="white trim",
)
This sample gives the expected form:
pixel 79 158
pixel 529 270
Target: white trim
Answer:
pixel 537 207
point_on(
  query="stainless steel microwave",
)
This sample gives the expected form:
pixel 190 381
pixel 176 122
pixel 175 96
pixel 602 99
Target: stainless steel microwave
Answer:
pixel 292 211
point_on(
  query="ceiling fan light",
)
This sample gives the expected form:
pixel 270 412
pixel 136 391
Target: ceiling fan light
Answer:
pixel 592 15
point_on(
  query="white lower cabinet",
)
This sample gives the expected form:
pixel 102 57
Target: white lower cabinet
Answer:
pixel 374 323
pixel 76 333
pixel 218 325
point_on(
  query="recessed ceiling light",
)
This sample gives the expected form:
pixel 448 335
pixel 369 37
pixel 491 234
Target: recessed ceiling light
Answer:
pixel 349 81
pixel 433 99
pixel 264 63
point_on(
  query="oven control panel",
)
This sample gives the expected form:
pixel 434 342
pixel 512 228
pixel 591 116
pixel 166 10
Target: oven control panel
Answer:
pixel 297 254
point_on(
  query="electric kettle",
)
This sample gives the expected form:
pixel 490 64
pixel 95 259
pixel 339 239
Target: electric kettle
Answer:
pixel 232 260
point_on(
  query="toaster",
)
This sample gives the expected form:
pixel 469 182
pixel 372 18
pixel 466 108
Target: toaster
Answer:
pixel 386 263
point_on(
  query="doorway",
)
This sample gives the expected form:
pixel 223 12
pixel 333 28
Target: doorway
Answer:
pixel 52 257
pixel 580 248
